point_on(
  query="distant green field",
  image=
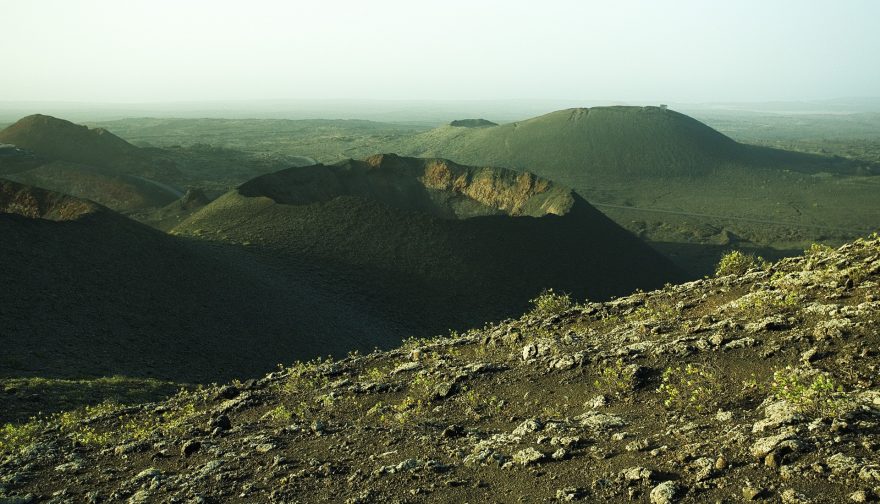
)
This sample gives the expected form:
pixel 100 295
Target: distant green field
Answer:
pixel 660 174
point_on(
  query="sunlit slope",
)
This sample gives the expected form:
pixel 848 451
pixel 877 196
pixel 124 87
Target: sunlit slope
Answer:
pixel 581 147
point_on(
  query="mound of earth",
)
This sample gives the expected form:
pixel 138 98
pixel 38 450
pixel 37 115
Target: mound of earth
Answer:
pixel 408 236
pixel 88 163
pixel 760 386
pixel 472 123
pixel 88 292
pixel 57 139
pixel 608 143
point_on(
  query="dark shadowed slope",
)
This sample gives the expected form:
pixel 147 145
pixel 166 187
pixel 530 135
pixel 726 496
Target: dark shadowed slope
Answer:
pixel 88 292
pixel 429 240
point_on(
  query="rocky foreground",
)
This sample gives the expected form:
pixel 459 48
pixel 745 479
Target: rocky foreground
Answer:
pixel 759 385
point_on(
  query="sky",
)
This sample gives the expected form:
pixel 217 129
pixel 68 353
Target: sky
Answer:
pixel 135 51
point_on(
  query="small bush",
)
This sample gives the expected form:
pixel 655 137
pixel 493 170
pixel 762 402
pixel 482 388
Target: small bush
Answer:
pixel 14 438
pixel 765 303
pixel 278 415
pixel 737 263
pixel 815 393
pixel 690 387
pixel 615 379
pixel 818 249
pixel 549 303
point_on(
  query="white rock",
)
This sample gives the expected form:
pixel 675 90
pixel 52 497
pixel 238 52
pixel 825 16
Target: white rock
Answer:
pixel 665 493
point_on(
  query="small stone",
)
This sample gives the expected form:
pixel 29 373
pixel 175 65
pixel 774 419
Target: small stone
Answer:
pixel 569 494
pixel 560 454
pixel 665 493
pixel 318 427
pixel 721 463
pixel 146 474
pixel 859 496
pixel 125 449
pixel 870 473
pixel 790 496
pixel 452 431
pixel 809 355
pixel 600 401
pixel 752 493
pixel 190 447
pixel 765 445
pixel 600 422
pixel 228 392
pixel 72 466
pixel 772 460
pixel 724 416
pixel 530 425
pixel 703 468
pixel 406 366
pixel 265 448
pixel 637 446
pixel 528 456
pixel 221 422
pixel 637 474
pixel 142 496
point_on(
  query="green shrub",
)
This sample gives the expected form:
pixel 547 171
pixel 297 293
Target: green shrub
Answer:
pixel 765 303
pixel 15 437
pixel 818 249
pixel 737 263
pixel 615 379
pixel 549 303
pixel 815 393
pixel 690 388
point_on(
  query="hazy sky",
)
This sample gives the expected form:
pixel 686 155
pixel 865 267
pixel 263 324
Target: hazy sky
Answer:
pixel 684 51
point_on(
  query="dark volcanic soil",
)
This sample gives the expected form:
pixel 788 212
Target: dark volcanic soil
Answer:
pixel 756 386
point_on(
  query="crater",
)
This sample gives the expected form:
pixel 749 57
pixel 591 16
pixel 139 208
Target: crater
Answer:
pixel 437 187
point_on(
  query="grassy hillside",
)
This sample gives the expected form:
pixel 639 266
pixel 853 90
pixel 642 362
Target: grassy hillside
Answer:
pixel 580 146
pixel 758 385
pixel 414 236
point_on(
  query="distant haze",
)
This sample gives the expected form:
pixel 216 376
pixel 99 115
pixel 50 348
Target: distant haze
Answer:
pixel 136 51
